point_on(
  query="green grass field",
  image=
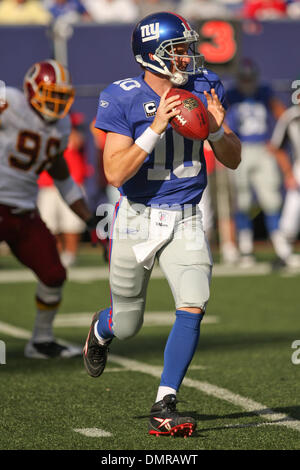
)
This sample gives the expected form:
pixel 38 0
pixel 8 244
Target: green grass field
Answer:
pixel 241 373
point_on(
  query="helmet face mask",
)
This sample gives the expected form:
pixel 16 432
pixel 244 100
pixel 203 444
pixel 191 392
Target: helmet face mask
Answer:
pixel 48 88
pixel 52 101
pixel 167 51
pixel 154 43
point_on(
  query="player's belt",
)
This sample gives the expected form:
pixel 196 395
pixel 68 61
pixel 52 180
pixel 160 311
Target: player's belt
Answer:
pixel 185 211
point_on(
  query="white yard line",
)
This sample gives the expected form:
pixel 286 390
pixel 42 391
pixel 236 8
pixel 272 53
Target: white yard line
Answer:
pixel 224 270
pixel 217 392
pixel 83 319
pixel 21 333
pixel 93 432
pixel 96 432
pixel 87 274
pixel 245 403
pixel 280 419
pixel 197 367
pixel 14 331
pixel 123 369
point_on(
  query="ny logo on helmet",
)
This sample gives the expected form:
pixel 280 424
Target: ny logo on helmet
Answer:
pixel 150 32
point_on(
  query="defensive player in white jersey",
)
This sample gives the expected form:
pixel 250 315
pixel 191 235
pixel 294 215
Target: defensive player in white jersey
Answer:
pixel 287 130
pixel 161 177
pixel 34 131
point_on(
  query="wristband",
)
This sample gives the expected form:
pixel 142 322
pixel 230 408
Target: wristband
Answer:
pixel 215 136
pixel 147 140
pixel 69 190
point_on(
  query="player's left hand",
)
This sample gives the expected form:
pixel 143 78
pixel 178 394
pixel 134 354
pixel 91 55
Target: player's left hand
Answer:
pixel 216 112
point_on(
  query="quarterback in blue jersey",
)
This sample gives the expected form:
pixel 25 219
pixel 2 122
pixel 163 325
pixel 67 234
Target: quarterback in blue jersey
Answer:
pixel 253 107
pixel 161 177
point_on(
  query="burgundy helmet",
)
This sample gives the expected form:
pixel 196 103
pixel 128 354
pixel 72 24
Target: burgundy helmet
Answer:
pixel 47 87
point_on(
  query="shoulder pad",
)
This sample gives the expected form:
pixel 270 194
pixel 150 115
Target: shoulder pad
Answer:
pixel 123 89
pixel 204 81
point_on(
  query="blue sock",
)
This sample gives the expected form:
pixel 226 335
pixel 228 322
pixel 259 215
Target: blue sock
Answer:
pixel 243 221
pixel 272 221
pixel 104 325
pixel 180 348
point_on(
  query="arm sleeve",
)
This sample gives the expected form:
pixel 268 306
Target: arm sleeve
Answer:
pixel 111 116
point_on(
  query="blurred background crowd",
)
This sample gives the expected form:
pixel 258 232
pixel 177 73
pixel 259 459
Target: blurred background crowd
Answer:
pixel 236 212
pixel 129 11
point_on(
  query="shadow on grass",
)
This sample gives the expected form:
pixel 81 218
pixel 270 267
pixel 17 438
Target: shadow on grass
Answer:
pixel 292 412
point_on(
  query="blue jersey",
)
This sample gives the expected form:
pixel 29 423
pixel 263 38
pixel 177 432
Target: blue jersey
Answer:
pixel 250 117
pixel 175 172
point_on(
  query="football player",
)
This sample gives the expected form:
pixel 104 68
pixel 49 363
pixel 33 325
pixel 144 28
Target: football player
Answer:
pixel 34 131
pixel 252 107
pixel 287 129
pixel 161 177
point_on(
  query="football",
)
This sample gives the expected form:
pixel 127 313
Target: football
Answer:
pixel 192 122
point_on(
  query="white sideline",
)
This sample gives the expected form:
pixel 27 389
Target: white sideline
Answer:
pixel 280 419
pixel 14 331
pixel 86 274
pixel 20 333
pixel 82 319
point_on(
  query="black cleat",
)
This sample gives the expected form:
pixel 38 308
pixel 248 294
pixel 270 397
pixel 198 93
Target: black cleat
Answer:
pixel 94 353
pixel 278 264
pixel 165 419
pixel 50 349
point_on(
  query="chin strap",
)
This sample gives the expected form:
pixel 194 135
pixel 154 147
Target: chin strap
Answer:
pixel 179 79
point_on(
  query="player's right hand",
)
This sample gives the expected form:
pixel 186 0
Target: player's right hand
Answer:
pixel 165 112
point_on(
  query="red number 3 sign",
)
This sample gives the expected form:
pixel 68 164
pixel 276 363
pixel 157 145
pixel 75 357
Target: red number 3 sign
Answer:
pixel 223 46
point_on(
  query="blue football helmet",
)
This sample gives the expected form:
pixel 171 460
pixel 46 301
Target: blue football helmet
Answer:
pixel 153 41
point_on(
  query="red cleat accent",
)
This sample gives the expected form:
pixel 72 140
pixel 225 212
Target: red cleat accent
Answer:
pixel 166 421
pixel 183 430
